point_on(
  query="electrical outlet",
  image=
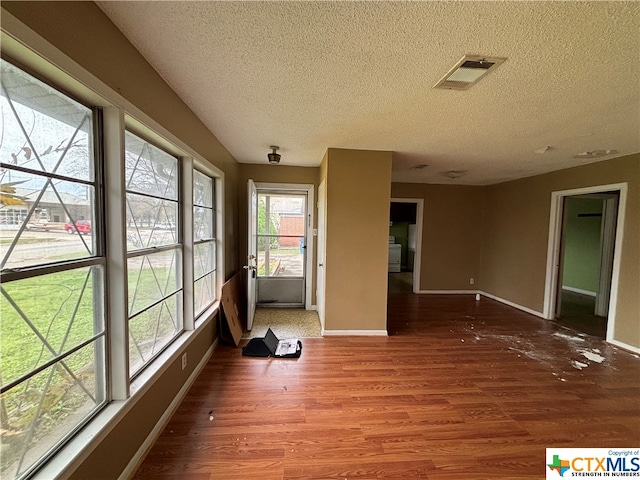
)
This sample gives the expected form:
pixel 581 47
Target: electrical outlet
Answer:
pixel 184 360
pixel 472 281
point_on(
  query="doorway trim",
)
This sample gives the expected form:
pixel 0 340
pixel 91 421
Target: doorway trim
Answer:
pixel 321 253
pixel 553 251
pixel 308 189
pixel 417 259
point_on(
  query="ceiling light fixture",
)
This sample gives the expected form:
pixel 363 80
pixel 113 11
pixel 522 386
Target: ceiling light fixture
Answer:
pixel 468 71
pixel 595 153
pixel 542 150
pixel 274 156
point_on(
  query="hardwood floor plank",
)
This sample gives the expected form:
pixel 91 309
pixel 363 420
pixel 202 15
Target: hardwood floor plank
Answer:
pixel 361 469
pixel 459 390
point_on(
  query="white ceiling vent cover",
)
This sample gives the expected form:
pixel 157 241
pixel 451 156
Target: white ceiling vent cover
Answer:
pixel 468 71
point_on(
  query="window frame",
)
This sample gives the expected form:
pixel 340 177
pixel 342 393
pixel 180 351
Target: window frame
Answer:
pixel 40 58
pixel 98 258
pixel 213 240
pixel 150 250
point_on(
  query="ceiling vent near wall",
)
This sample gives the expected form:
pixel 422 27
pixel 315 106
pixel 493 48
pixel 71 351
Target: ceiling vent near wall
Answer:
pixel 468 71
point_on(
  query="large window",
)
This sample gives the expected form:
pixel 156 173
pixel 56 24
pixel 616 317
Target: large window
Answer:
pixel 52 278
pixel 204 241
pixel 154 253
pixel 95 244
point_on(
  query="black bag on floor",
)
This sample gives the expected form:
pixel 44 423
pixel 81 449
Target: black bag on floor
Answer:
pixel 270 346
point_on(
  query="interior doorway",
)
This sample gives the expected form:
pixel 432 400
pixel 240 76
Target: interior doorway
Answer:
pixel 280 260
pixel 405 244
pixel 586 257
pixel 584 245
pixel 322 250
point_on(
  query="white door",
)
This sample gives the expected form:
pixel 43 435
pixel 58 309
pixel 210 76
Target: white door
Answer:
pixel 322 229
pixel 607 244
pixel 282 249
pixel 252 250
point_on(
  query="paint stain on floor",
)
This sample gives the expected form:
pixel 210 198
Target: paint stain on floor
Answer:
pixel 549 346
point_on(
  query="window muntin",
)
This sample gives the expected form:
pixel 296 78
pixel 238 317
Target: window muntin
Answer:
pixel 151 222
pixel 150 170
pixel 152 278
pixel 154 263
pixel 204 258
pixel 203 207
pixel 47 172
pixel 204 248
pixel 52 347
pixel 151 330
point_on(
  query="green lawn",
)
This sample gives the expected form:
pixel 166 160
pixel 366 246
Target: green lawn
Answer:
pixel 23 240
pixel 50 302
pixel 61 307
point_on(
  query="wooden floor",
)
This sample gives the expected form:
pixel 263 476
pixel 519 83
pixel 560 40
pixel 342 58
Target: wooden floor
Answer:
pixel 578 312
pixel 459 390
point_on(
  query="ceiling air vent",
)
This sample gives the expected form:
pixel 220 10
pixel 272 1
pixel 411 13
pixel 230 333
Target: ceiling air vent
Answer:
pixel 469 70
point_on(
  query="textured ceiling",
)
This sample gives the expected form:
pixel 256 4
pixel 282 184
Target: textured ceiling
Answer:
pixel 308 76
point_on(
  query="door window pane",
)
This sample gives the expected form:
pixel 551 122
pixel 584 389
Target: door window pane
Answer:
pixel 281 234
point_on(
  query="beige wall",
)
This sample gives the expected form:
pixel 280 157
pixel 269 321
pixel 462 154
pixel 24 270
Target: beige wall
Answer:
pixel 499 235
pixel 358 187
pixel 451 234
pixel 274 174
pixel 109 460
pixel 516 231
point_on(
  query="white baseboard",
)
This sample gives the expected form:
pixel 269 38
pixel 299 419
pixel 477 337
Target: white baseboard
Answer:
pixel 580 291
pixel 617 343
pixel 624 346
pixel 512 304
pixel 448 292
pixel 139 456
pixel 484 294
pixel 362 333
